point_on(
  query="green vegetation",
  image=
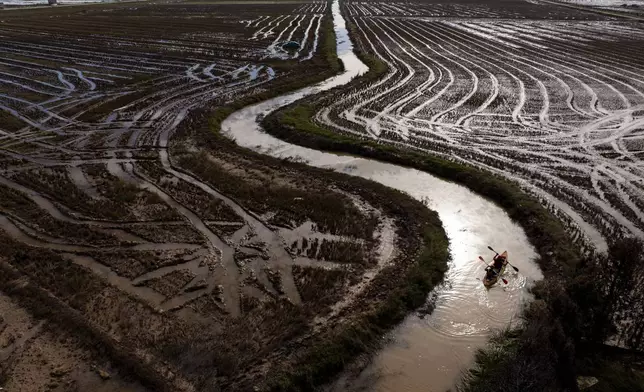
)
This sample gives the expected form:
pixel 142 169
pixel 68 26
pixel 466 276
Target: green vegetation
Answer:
pixel 293 124
pixel 185 193
pixel 328 48
pixel 565 329
pixel 119 201
pixel 326 60
pixel 343 252
pixel 319 288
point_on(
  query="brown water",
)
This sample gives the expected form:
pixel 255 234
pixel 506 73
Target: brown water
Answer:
pixel 429 353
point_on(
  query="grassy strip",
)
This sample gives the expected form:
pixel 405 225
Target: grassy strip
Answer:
pixel 546 233
pixel 294 124
pixel 333 66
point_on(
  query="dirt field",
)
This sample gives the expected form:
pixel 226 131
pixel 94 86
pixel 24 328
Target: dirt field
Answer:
pixel 551 96
pixel 36 358
pixel 137 249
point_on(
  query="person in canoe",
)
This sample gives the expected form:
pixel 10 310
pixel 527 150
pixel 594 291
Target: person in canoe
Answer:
pixel 494 270
pixel 499 261
pixel 490 273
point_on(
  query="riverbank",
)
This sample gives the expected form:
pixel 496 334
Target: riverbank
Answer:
pixel 295 124
pixel 576 330
pixel 468 218
pixel 397 290
pixel 559 257
pixel 393 294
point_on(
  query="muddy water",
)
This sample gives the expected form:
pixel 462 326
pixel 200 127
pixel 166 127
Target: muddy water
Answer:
pixel 421 354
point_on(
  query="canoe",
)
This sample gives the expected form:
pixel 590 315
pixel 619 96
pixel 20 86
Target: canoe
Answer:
pixel 490 282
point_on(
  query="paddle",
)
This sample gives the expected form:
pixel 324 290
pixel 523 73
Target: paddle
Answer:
pixel 483 260
pixel 497 253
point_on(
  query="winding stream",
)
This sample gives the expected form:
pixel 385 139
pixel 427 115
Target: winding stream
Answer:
pixel 429 353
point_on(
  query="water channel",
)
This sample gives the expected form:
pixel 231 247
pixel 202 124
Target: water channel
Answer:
pixel 421 354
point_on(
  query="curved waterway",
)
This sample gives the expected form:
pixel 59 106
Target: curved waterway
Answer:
pixel 421 354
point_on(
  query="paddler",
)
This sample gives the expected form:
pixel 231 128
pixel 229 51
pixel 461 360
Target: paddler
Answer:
pixel 499 261
pixel 490 272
